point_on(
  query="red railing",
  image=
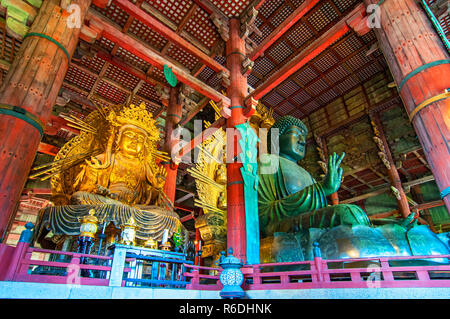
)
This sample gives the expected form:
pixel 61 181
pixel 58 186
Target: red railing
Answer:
pixel 202 278
pixel 18 264
pixel 24 267
pixel 340 273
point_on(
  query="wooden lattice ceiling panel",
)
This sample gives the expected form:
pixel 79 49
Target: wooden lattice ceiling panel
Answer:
pixel 147 35
pixel 113 13
pixel 185 59
pixel 158 75
pixel 201 28
pixel 105 44
pixel 121 77
pixel 173 10
pixel 95 64
pixel 79 78
pixel 231 8
pixel 132 59
pixel 148 91
pixel 111 93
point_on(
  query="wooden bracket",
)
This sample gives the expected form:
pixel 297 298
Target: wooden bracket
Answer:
pixel 163 93
pixel 186 102
pixel 247 66
pixel 248 27
pixel 250 107
pixel 224 78
pixel 222 26
pixel 19 16
pixel 248 23
pixel 224 107
pixel 89 34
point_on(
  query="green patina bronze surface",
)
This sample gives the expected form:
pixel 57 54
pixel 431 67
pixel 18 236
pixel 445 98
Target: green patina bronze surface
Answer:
pixel 287 191
pixel 293 210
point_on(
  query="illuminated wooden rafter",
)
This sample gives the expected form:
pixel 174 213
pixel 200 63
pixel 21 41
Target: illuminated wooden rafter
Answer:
pixel 151 56
pixel 170 35
pixel 282 28
pixel 318 46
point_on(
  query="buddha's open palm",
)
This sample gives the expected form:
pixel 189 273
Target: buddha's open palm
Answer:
pixel 332 180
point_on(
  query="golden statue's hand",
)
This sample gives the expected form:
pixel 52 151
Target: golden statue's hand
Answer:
pixel 160 178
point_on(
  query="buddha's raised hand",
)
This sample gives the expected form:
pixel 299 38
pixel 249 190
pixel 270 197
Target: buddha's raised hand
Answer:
pixel 332 180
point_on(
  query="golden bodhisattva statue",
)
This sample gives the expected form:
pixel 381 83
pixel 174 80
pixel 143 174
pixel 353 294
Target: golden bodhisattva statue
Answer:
pixel 111 168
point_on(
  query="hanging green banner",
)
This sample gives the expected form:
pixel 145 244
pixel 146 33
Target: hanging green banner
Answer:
pixel 249 170
pixel 170 77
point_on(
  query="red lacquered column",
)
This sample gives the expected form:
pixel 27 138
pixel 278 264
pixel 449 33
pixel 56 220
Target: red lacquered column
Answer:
pixel 27 97
pixel 420 65
pixel 237 91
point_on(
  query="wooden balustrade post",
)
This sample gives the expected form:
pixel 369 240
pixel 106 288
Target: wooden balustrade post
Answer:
pixel 28 94
pixel 318 262
pixel 118 265
pixel 256 275
pixel 76 270
pixel 20 252
pixel 195 279
pixel 385 270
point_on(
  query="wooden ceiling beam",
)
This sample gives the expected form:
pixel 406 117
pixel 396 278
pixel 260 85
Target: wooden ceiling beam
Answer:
pixel 318 46
pixel 119 63
pixel 169 34
pixel 211 9
pixel 151 56
pixel 283 28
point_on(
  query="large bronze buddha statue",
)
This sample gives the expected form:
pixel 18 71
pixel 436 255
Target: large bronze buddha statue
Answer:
pixel 288 193
pixel 119 179
pixel 294 213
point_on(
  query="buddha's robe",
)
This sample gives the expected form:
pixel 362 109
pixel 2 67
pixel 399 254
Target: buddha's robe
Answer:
pixel 289 198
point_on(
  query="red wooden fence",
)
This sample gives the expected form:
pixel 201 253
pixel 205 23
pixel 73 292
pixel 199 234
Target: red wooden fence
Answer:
pixel 22 263
pixel 385 272
pixel 16 264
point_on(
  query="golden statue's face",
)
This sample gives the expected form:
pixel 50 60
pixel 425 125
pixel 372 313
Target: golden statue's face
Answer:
pixel 132 142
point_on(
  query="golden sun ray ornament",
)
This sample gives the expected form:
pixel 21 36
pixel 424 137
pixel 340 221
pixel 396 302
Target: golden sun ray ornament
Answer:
pixel 111 166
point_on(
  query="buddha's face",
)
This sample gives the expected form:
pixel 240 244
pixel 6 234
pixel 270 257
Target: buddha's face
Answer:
pixel 293 143
pixel 131 142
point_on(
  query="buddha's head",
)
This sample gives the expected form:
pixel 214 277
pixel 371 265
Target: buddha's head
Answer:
pixel 135 131
pixel 292 137
pixel 131 141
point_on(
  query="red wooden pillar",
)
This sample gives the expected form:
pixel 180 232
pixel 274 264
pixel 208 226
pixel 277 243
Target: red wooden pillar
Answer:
pixel 27 97
pixel 394 177
pixel 420 66
pixel 173 117
pixel 237 91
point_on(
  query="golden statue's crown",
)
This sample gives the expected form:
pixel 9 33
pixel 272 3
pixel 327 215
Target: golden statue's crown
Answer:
pixel 137 116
